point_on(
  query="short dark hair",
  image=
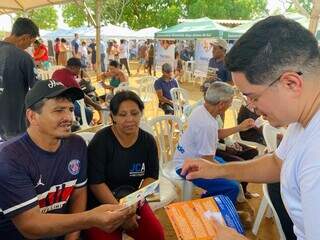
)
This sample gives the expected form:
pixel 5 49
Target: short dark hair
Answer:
pixel 74 62
pixel 63 40
pixel 25 26
pixel 122 41
pixel 57 40
pixel 114 63
pixel 124 96
pixel 271 47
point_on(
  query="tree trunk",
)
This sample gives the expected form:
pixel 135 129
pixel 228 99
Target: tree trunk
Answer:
pixel 98 37
pixel 314 18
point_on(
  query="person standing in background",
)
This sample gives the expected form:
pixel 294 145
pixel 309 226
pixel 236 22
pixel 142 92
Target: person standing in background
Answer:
pixel 151 60
pixel 103 50
pixel 123 49
pixel 75 44
pixel 57 44
pixel 92 50
pixel 62 59
pixel 17 75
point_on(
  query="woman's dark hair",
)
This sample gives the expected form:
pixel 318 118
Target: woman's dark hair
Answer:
pixel 57 40
pixel 124 96
pixel 114 63
pixel 63 40
pixel 25 26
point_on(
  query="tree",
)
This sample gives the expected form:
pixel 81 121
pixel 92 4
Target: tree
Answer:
pixel 226 9
pixel 75 15
pixel 149 13
pixel 308 8
pixel 45 17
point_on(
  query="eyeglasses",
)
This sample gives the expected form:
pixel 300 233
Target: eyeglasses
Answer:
pixel 256 97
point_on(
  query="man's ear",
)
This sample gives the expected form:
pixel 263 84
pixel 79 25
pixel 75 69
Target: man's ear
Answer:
pixel 293 82
pixel 32 117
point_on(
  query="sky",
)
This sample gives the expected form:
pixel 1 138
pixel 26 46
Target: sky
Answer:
pixel 6 22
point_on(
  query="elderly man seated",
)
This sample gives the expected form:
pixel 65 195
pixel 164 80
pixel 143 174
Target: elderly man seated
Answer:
pixel 163 86
pixel 201 138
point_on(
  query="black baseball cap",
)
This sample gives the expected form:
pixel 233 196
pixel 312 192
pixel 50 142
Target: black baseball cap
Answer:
pixel 50 89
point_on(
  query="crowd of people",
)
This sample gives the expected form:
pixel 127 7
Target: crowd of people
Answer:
pixel 54 186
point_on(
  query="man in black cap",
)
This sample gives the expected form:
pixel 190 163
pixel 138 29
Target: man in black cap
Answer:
pixel 43 173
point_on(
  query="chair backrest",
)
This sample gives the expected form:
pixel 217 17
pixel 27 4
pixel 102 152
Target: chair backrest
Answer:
pixel 270 136
pixel 235 108
pixel 146 88
pixel 180 97
pixel 122 87
pixel 83 112
pixel 43 74
pixel 167 130
pixel 87 136
pixel 145 126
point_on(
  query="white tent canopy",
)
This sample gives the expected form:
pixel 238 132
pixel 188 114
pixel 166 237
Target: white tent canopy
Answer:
pixel 9 6
pixel 112 31
pixel 147 33
pixel 107 32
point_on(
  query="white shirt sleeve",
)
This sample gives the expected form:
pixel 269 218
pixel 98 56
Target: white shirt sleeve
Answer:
pixel 284 146
pixel 309 179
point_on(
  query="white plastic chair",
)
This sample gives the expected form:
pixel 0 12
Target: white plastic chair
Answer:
pixel 167 190
pixel 147 92
pixel 165 128
pixel 180 98
pixel 43 74
pixel 83 113
pixel 235 108
pixel 122 87
pixel 146 88
pixel 188 69
pixel 87 136
pixel 270 136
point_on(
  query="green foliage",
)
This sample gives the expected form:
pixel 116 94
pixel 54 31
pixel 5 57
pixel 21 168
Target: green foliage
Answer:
pixel 162 13
pixel 226 9
pixel 306 4
pixel 45 17
pixel 74 15
pixel 147 13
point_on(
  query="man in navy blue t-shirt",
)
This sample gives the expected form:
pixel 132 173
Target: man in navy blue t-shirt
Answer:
pixel 163 85
pixel 219 48
pixel 43 172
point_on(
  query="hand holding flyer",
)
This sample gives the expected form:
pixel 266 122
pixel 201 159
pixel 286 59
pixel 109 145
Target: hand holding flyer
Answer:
pixel 140 194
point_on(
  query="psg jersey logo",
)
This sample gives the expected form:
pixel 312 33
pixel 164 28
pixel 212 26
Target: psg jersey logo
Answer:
pixel 74 166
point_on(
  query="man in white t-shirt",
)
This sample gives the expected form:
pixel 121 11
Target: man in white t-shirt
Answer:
pixel 123 55
pixel 276 65
pixel 201 138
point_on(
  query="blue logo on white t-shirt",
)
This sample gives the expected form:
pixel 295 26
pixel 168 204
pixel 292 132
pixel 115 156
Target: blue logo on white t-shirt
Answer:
pixel 74 166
